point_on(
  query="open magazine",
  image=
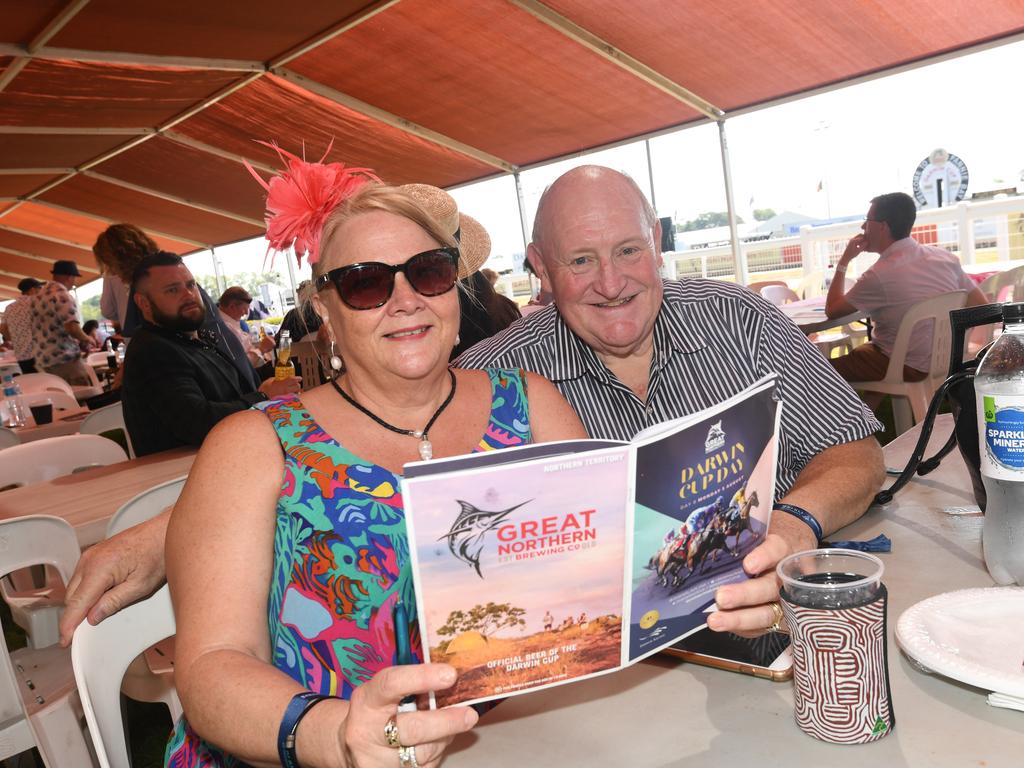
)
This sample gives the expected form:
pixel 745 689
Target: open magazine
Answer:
pixel 550 563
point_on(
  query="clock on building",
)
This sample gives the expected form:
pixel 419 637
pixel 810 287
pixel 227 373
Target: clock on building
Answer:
pixel 940 180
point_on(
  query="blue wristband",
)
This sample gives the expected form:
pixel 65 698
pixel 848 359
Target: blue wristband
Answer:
pixel 297 708
pixel 804 516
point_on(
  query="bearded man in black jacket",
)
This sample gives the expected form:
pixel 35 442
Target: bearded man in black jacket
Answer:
pixel 177 383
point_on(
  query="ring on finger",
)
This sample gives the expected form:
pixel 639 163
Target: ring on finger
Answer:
pixel 407 757
pixel 391 734
pixel 777 614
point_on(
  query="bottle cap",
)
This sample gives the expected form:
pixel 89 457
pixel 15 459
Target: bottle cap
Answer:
pixel 1013 313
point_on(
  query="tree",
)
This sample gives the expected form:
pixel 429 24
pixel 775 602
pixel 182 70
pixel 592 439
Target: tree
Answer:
pixel 248 280
pixel 91 309
pixel 485 619
pixel 707 220
pixel 763 214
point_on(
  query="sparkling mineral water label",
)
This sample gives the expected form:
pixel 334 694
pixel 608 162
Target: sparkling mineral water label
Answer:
pixel 1001 422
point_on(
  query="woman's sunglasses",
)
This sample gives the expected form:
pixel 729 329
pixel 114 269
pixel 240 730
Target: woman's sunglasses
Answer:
pixel 369 285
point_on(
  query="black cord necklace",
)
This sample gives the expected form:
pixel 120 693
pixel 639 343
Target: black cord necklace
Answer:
pixel 425 447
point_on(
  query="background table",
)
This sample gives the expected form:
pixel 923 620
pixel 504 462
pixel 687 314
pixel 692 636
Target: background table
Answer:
pixel 663 712
pixel 88 499
pixel 66 422
pixel 809 315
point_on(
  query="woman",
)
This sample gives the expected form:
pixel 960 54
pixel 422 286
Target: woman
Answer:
pixel 309 512
pixel 91 328
pixel 485 312
pixel 118 250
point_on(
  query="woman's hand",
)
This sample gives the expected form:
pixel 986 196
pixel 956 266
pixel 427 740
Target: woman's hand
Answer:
pixel 375 702
pixel 746 608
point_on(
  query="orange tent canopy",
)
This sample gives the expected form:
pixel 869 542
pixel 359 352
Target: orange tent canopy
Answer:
pixel 125 111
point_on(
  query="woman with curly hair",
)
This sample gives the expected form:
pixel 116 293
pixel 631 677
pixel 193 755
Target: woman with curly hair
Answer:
pixel 118 250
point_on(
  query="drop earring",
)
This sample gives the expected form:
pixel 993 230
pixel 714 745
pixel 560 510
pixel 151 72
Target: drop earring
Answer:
pixel 336 362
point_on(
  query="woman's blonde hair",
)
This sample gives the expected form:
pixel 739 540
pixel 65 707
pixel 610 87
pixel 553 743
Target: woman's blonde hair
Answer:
pixel 378 197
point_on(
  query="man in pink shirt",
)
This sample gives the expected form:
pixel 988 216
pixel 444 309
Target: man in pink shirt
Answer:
pixel 906 273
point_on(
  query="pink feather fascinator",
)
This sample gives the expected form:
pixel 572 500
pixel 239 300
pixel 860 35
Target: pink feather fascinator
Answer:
pixel 302 196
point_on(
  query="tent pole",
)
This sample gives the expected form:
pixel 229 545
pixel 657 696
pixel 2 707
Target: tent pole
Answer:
pixel 650 173
pixel 217 273
pixel 522 211
pixel 739 265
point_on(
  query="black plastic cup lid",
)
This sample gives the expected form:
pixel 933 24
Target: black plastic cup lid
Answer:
pixel 1013 313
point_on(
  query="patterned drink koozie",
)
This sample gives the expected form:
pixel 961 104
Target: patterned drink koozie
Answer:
pixel 840 671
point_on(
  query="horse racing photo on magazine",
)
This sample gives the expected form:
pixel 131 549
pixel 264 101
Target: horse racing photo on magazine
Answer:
pixel 550 563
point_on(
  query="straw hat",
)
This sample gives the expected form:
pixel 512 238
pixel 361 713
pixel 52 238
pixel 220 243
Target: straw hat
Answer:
pixel 474 242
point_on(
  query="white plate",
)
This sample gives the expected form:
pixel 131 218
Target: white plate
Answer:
pixel 975 636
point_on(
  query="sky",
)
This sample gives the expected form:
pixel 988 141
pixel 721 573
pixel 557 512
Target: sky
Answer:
pixel 855 142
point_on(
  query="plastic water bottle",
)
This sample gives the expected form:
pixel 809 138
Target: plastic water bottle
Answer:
pixel 12 400
pixel 999 389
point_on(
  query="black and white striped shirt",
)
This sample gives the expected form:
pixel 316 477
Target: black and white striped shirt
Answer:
pixel 711 340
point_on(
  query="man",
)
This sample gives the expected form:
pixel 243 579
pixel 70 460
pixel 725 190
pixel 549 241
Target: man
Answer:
pixel 629 351
pixel 17 325
pixel 58 335
pixel 233 306
pixel 177 384
pixel 906 272
pixel 625 359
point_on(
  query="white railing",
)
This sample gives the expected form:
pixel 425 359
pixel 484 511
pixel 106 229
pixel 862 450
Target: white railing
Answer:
pixel 980 233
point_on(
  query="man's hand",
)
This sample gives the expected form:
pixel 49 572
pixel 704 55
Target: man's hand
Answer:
pixel 115 573
pixel 278 387
pixel 854 248
pixel 836 303
pixel 744 608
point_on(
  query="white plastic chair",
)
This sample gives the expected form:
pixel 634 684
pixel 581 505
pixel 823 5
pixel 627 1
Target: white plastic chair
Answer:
pixel 43 460
pixel 917 394
pixel 779 294
pixel 309 361
pixel 140 682
pixel 812 284
pixel 145 506
pixel 39 705
pixel 757 286
pixel 43 382
pixel 47 382
pixel 107 419
pixel 97 359
pixel 37 609
pixel 8 437
pixel 101 654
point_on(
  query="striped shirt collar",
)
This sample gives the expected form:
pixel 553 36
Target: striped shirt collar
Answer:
pixel 573 358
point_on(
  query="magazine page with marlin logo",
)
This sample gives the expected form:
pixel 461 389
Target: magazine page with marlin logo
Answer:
pixel 546 564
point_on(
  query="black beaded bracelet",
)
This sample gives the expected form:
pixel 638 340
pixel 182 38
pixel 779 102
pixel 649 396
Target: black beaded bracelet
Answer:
pixel 804 516
pixel 297 708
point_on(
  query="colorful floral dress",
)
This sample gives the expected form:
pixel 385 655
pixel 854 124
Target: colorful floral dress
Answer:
pixel 341 558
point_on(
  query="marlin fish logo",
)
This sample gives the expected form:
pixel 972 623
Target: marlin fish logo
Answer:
pixel 466 537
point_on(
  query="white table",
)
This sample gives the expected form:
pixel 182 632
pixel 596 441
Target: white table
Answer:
pixel 65 422
pixel 664 712
pixel 809 315
pixel 88 499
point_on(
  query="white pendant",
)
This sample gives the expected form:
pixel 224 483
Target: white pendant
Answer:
pixel 426 450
